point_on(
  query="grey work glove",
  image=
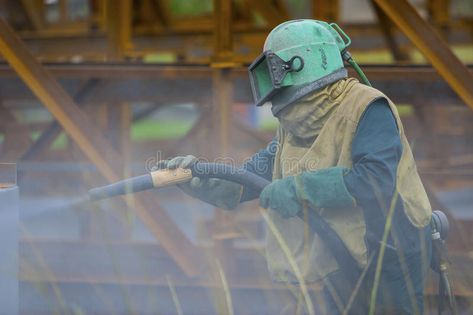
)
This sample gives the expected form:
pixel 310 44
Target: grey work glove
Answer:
pixel 217 192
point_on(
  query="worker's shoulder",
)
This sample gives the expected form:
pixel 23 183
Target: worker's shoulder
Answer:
pixel 356 98
pixel 365 91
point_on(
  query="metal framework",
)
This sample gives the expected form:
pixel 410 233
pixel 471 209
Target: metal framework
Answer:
pixel 94 145
pixel 126 29
pixel 431 45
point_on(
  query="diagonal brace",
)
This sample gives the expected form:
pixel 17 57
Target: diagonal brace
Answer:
pixel 95 146
pixel 431 45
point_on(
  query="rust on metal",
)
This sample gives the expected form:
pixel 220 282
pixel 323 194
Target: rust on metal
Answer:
pixel 94 145
pixel 326 10
pixel 424 37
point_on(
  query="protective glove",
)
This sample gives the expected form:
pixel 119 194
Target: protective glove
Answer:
pixel 324 188
pixel 281 196
pixel 217 192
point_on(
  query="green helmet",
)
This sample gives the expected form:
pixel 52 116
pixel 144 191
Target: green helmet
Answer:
pixel 299 57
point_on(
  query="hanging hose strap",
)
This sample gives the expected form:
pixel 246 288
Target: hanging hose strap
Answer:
pixel 332 240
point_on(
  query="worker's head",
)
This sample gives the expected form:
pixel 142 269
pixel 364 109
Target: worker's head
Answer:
pixel 298 57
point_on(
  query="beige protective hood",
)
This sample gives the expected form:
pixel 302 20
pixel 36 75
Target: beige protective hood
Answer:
pixel 306 118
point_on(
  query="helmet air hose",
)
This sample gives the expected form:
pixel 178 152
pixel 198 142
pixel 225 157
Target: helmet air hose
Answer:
pixel 349 59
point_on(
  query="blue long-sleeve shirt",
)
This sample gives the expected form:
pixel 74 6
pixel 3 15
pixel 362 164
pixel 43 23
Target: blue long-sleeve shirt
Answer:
pixel 376 149
pixel 376 152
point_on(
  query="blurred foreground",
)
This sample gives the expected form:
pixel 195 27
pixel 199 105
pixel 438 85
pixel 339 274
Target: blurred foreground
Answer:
pixel 161 85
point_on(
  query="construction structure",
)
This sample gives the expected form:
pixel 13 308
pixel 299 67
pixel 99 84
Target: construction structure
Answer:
pixel 93 91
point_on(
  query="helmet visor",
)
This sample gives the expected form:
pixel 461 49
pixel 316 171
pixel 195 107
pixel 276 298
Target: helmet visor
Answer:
pixel 268 74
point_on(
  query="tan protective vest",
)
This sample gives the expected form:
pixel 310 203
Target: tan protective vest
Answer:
pixel 332 147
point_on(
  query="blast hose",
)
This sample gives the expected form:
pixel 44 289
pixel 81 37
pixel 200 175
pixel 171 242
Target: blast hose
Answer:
pixel 167 177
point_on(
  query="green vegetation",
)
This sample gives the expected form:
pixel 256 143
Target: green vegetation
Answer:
pixel 269 124
pixel 373 57
pixel 160 58
pixel 405 110
pixel 154 130
pixel 383 56
pixel 463 52
pixel 191 7
pixel 159 130
pixel 172 129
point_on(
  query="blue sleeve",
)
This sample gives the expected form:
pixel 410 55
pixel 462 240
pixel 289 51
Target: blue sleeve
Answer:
pixel 376 152
pixel 260 164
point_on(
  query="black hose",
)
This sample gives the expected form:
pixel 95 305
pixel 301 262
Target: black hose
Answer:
pixel 449 292
pixel 230 173
pixel 315 221
pixel 252 181
pixel 126 186
pixel 201 170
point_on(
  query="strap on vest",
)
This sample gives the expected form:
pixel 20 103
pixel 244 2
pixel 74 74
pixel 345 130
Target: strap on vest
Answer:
pixel 440 261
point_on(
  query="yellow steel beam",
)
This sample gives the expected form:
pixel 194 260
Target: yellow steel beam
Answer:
pixel 431 45
pixel 94 145
pixel 222 89
pixel 34 9
pixel 223 34
pixel 271 13
pixel 163 12
pixel 63 11
pixel 119 27
pixel 387 28
pixel 439 12
pixel 326 10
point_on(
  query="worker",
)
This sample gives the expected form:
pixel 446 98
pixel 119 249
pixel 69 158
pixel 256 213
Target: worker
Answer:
pixel 340 151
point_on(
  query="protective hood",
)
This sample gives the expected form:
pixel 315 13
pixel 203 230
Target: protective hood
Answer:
pixel 305 118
